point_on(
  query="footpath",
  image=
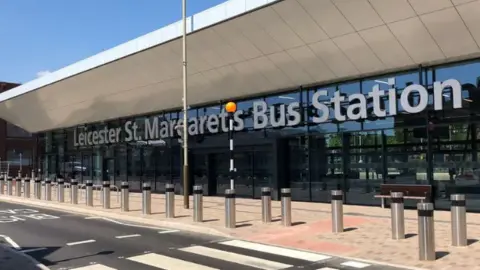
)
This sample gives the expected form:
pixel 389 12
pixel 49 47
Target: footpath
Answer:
pixel 367 235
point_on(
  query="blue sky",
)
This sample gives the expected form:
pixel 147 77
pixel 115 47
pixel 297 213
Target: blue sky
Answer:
pixel 46 35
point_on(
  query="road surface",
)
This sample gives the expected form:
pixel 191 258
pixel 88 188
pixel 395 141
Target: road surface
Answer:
pixel 61 240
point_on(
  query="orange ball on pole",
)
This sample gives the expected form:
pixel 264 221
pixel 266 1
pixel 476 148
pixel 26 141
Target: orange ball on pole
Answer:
pixel 231 107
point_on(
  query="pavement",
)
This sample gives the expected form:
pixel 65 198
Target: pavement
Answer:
pixel 366 239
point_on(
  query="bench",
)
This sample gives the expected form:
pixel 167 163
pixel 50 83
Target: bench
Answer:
pixel 410 192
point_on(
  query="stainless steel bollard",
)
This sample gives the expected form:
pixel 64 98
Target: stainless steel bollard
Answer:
pixel 74 192
pixel 89 193
pixel 398 218
pixel 426 232
pixel 230 218
pixel 459 220
pixel 266 205
pixel 2 185
pixel 286 207
pixel 106 194
pixel 61 190
pixel 146 199
pixel 170 200
pixel 18 187
pixel 198 203
pixel 37 189
pixel 48 190
pixel 337 211
pixel 26 187
pixel 125 197
pixel 9 186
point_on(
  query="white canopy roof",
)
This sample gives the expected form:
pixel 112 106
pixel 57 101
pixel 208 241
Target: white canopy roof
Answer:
pixel 247 47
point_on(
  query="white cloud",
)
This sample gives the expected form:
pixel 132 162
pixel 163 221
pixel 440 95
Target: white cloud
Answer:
pixel 42 73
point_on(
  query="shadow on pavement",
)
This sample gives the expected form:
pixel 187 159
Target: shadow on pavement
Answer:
pixel 43 252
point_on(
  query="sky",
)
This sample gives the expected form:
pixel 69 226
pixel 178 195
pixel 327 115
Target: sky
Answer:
pixel 41 36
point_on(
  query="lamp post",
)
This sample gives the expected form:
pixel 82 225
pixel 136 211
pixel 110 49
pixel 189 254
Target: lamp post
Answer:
pixel 185 109
pixel 231 107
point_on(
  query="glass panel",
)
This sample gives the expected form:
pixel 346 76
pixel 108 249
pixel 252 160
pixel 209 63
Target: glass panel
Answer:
pixel 455 154
pixel 262 170
pixel 298 171
pixel 163 166
pixel 97 166
pixel 244 178
pixel 221 163
pixel 200 170
pixel 120 164
pixel 148 165
pixel 87 163
pixel 134 167
pixel 364 167
pixel 326 165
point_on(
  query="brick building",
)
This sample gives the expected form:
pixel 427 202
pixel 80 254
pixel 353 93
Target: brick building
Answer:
pixel 17 146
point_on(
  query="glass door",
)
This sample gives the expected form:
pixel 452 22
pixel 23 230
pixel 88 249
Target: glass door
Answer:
pixel 108 172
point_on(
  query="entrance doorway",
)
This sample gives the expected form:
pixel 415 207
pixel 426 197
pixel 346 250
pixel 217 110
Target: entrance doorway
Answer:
pixel 254 170
pixel 108 172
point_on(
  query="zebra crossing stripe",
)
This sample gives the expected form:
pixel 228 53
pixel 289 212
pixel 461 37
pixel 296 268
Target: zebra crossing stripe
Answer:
pixel 296 254
pixel 236 258
pixel 167 263
pixel 94 267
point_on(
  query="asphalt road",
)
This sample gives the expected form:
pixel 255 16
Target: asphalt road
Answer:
pixel 66 241
pixel 61 240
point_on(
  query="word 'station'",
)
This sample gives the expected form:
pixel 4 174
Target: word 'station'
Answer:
pixel 15 215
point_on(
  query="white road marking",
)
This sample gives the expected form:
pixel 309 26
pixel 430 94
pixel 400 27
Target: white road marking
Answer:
pixel 81 242
pixel 328 268
pixel 125 224
pixel 169 231
pixel 236 258
pixel 32 250
pixel 354 264
pixel 127 236
pixel 292 253
pixel 94 267
pixel 167 263
pixel 11 242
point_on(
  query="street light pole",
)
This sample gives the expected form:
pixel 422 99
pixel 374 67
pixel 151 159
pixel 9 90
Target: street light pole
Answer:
pixel 185 109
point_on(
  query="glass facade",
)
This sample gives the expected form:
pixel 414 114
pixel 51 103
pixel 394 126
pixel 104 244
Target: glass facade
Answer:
pixel 311 139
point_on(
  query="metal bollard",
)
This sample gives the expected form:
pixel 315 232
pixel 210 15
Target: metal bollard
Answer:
pixel 18 187
pixel 266 205
pixel 89 193
pixel 61 190
pixel 398 218
pixel 37 188
pixel 459 220
pixel 337 211
pixel 48 190
pixel 230 219
pixel 286 207
pixel 146 199
pixel 169 200
pixel 9 186
pixel 106 194
pixel 2 185
pixel 26 187
pixel 125 197
pixel 74 192
pixel 426 232
pixel 198 203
